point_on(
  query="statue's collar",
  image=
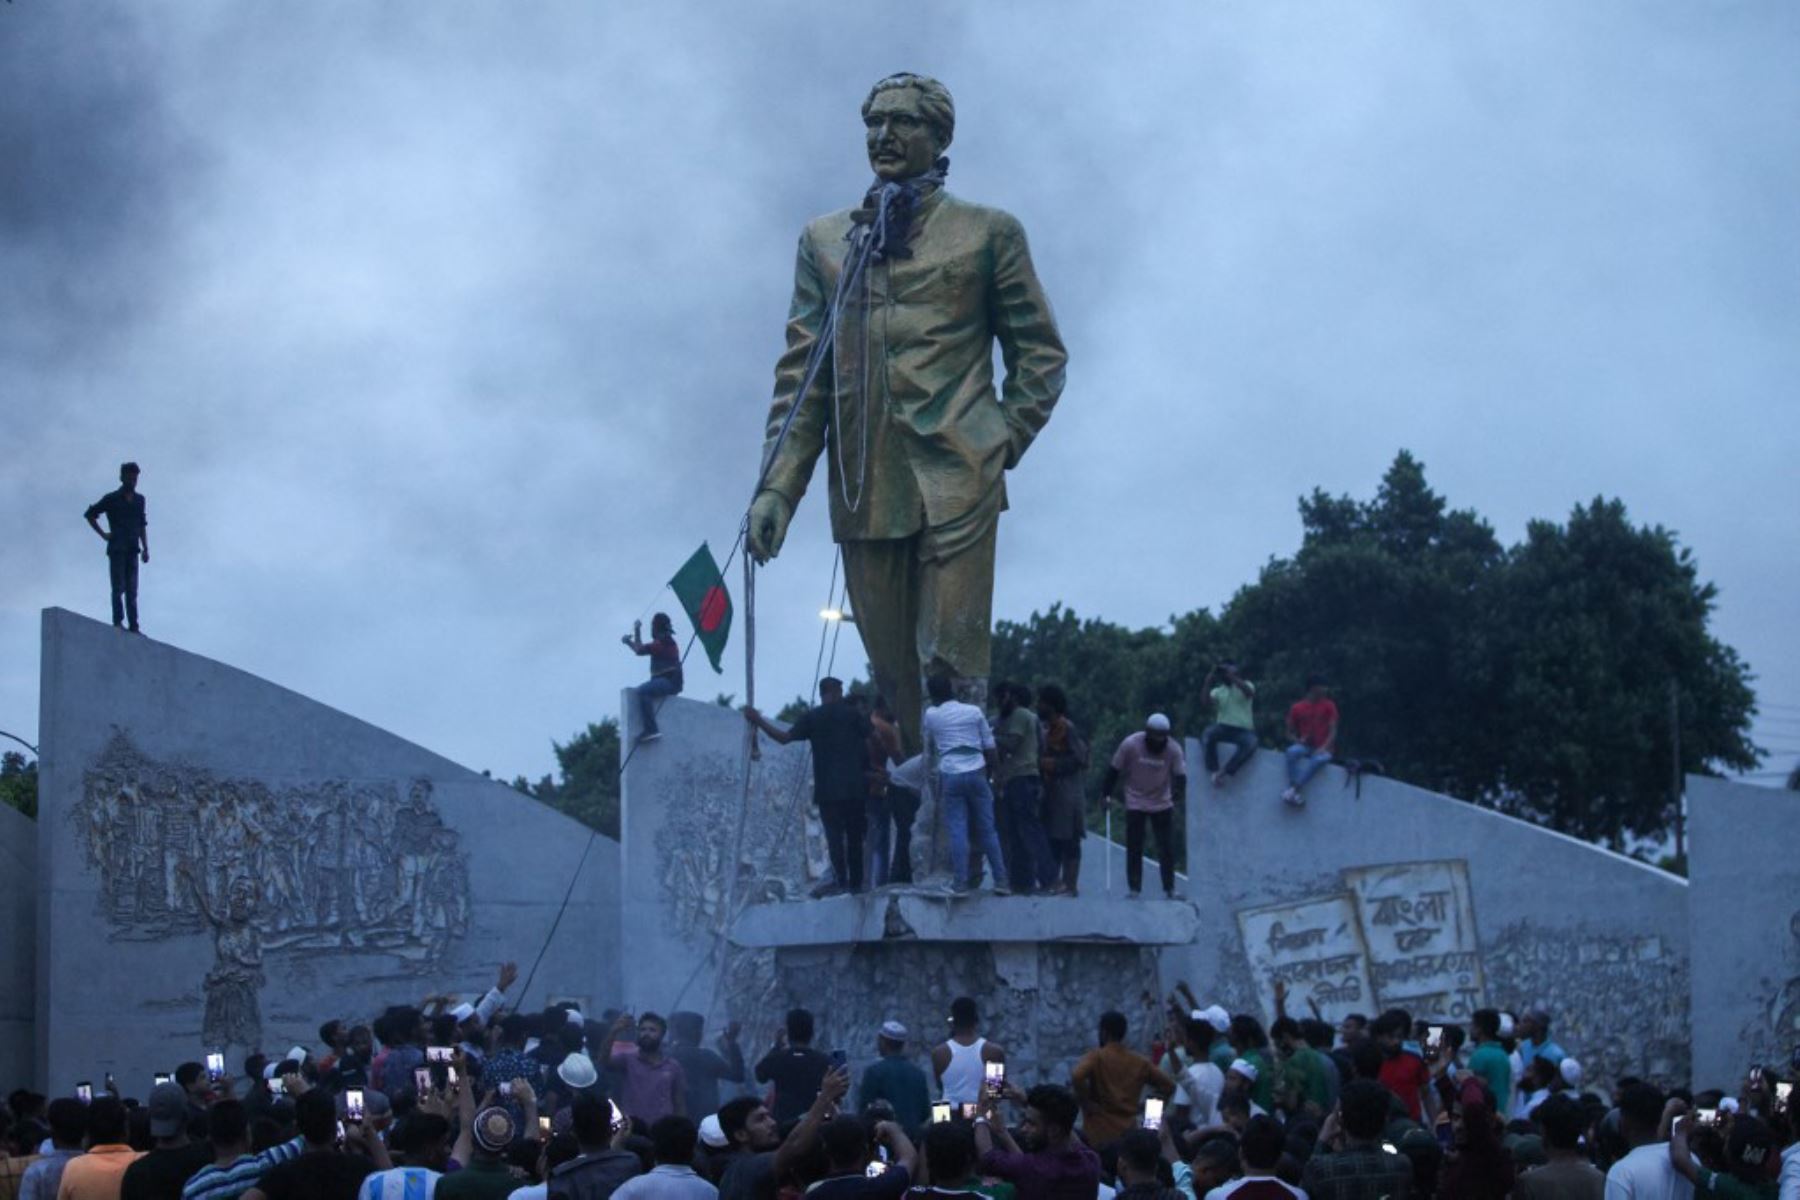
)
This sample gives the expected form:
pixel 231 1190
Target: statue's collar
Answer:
pixel 893 209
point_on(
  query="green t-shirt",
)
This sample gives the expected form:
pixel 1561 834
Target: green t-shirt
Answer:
pixel 1018 738
pixel 1263 1090
pixel 1491 1063
pixel 1717 1183
pixel 1234 705
pixel 1304 1074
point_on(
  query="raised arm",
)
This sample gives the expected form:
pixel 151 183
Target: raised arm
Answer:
pixel 800 1142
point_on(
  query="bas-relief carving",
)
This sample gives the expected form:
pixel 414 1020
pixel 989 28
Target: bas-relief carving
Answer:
pixel 295 870
pixel 1773 1033
pixel 1620 1002
pixel 1041 1001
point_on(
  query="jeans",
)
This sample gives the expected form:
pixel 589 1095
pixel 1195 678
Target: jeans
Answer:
pixel 1303 762
pixel 904 802
pixel 845 826
pixel 650 696
pixel 1033 866
pixel 969 807
pixel 1243 740
pixel 124 571
pixel 878 846
pixel 1164 824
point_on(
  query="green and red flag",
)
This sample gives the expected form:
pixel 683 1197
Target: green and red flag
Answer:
pixel 701 590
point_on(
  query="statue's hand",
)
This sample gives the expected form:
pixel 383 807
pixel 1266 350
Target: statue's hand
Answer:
pixel 769 517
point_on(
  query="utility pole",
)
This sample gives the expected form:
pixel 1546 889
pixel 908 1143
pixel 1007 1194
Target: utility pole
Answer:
pixel 1675 780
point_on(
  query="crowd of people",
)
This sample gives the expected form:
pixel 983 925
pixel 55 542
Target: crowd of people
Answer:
pixel 1012 782
pixel 473 1101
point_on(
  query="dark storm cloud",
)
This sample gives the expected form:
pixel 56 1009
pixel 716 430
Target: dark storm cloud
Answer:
pixel 445 332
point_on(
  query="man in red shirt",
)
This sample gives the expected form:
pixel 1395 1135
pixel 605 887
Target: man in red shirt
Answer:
pixel 1402 1072
pixel 664 654
pixel 1312 724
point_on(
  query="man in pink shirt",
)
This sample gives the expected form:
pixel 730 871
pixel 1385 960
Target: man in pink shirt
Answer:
pixel 1155 774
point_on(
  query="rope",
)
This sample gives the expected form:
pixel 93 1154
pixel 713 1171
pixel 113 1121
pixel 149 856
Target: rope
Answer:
pixel 573 879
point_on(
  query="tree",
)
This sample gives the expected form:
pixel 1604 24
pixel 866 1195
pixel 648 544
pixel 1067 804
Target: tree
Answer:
pixel 18 782
pixel 588 789
pixel 1535 680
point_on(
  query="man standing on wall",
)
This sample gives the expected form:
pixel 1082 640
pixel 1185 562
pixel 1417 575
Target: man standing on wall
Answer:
pixel 1155 775
pixel 127 538
pixel 1312 723
pixel 1019 734
pixel 840 758
pixel 959 744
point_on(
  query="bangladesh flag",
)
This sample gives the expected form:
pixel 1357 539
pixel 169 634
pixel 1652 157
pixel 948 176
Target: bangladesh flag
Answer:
pixel 701 590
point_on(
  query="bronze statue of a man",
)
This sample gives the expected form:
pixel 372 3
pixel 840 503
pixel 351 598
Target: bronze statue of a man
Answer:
pixel 904 407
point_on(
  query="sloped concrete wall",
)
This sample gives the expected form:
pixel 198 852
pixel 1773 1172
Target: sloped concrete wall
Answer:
pixel 1744 917
pixel 225 863
pixel 18 945
pixel 1403 897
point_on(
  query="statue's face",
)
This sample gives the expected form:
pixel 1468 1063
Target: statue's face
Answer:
pixel 902 143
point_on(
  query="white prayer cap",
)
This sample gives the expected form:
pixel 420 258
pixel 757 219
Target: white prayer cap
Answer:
pixel 297 1054
pixel 1506 1025
pixel 578 1072
pixel 713 1133
pixel 1217 1017
pixel 1243 1067
pixel 575 1018
pixel 1728 1104
pixel 893 1031
pixel 463 1012
pixel 1571 1072
pixel 1158 723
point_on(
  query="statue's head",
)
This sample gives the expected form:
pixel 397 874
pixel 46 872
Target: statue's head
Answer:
pixel 910 120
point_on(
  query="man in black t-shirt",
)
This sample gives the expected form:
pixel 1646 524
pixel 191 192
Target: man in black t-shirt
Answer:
pixel 323 1171
pixel 127 531
pixel 840 757
pixel 794 1067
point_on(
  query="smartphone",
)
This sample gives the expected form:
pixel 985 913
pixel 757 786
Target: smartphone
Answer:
pixel 215 1066
pixel 340 1137
pixel 353 1106
pixel 1706 1116
pixel 437 1054
pixel 1434 1040
pixel 544 1127
pixel 618 1117
pixel 277 1086
pixel 422 1080
pixel 1390 1148
pixel 1783 1089
pixel 968 1112
pixel 993 1079
pixel 84 1092
pixel 161 1077
pixel 838 1060
pixel 450 1075
pixel 940 1111
pixel 109 1081
pixel 1153 1110
pixel 876 1167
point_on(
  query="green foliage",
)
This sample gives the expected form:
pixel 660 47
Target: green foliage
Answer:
pixel 1535 680
pixel 19 783
pixel 588 787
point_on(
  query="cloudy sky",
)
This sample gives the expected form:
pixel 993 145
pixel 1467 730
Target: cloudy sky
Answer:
pixel 444 331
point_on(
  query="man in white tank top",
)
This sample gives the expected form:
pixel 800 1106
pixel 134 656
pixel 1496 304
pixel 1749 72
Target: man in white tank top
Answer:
pixel 960 1062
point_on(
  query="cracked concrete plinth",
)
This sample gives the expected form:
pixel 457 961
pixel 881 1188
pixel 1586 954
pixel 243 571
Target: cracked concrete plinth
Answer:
pixel 927 915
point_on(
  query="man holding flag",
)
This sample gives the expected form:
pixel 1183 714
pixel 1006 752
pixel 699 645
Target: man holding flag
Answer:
pixel 701 589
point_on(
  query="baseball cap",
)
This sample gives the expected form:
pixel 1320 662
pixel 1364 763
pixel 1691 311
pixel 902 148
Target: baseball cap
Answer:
pixel 1217 1017
pixel 893 1031
pixel 168 1109
pixel 1243 1067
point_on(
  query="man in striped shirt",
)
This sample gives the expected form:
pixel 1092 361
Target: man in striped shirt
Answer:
pixel 234 1170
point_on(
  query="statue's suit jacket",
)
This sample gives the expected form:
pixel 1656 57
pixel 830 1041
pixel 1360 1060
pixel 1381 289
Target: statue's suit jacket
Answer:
pixel 939 440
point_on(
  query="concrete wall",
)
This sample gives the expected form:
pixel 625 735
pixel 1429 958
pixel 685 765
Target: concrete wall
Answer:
pixel 226 863
pixel 18 945
pixel 1744 917
pixel 1404 897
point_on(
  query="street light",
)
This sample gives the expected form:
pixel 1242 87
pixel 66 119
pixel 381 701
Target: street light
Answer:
pixel 15 737
pixel 837 614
